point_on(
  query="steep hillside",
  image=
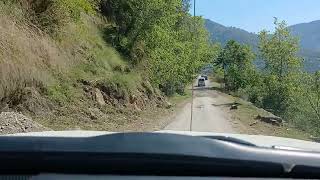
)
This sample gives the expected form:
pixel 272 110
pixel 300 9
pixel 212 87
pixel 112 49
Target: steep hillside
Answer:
pixel 308 33
pixel 97 64
pixel 56 67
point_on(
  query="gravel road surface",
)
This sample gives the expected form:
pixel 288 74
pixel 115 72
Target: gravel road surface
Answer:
pixel 209 113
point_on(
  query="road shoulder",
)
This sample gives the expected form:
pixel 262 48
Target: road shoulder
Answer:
pixel 244 119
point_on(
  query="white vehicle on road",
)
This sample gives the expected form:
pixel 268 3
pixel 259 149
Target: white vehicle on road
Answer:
pixel 201 82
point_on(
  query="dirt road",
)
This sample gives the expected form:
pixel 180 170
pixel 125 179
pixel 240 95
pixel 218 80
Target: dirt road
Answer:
pixel 209 113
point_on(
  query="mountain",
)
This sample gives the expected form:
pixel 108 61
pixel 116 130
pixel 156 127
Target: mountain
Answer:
pixel 309 36
pixel 308 33
pixel 223 34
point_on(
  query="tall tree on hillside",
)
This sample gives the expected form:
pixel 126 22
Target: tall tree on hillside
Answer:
pixel 236 61
pixel 279 51
pixel 133 20
pixel 175 54
pixel 161 37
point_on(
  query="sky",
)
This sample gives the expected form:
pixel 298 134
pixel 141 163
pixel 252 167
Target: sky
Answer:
pixel 256 15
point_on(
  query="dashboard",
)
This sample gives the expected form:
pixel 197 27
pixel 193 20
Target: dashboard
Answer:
pixel 115 177
pixel 149 156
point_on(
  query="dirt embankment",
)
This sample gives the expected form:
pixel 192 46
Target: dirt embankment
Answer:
pixel 98 108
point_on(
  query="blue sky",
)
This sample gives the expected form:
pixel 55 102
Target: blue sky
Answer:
pixel 255 15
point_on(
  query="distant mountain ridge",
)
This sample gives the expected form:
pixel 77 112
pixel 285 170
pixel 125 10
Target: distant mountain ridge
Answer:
pixel 222 34
pixel 308 33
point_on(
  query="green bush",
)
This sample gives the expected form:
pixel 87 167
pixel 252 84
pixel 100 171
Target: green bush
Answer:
pixel 168 88
pixel 52 15
pixel 304 109
pixel 61 93
pixel 219 75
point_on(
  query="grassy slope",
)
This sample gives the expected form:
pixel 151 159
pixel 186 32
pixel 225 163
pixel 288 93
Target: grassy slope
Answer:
pixel 53 79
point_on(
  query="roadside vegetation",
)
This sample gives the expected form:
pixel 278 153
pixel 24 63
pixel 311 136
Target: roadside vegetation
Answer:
pixel 245 117
pixel 161 38
pixel 90 64
pixel 280 87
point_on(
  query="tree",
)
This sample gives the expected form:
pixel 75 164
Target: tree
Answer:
pixel 236 61
pixel 279 51
pixel 176 54
pixel 132 20
pixel 161 37
pixel 304 110
pixel 312 93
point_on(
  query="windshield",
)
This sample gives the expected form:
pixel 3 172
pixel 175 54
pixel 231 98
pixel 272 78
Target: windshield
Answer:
pixel 231 66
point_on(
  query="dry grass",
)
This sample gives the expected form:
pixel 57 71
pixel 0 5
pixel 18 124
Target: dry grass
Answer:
pixel 29 57
pixel 85 41
pixel 26 56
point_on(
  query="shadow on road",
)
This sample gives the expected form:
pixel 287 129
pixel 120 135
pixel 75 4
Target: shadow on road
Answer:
pixel 196 88
pixel 218 89
pixel 227 104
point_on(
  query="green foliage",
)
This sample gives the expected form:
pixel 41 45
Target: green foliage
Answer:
pixel 308 34
pixel 279 51
pixel 133 21
pixel 74 8
pixel 120 86
pixel 52 15
pixel 304 111
pixel 127 82
pixel 218 74
pixel 236 62
pixel 255 90
pixel 161 36
pixel 61 93
pixel 281 87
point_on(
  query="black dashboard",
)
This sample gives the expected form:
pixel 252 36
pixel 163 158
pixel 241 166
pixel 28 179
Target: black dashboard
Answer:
pixel 150 156
pixel 115 177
